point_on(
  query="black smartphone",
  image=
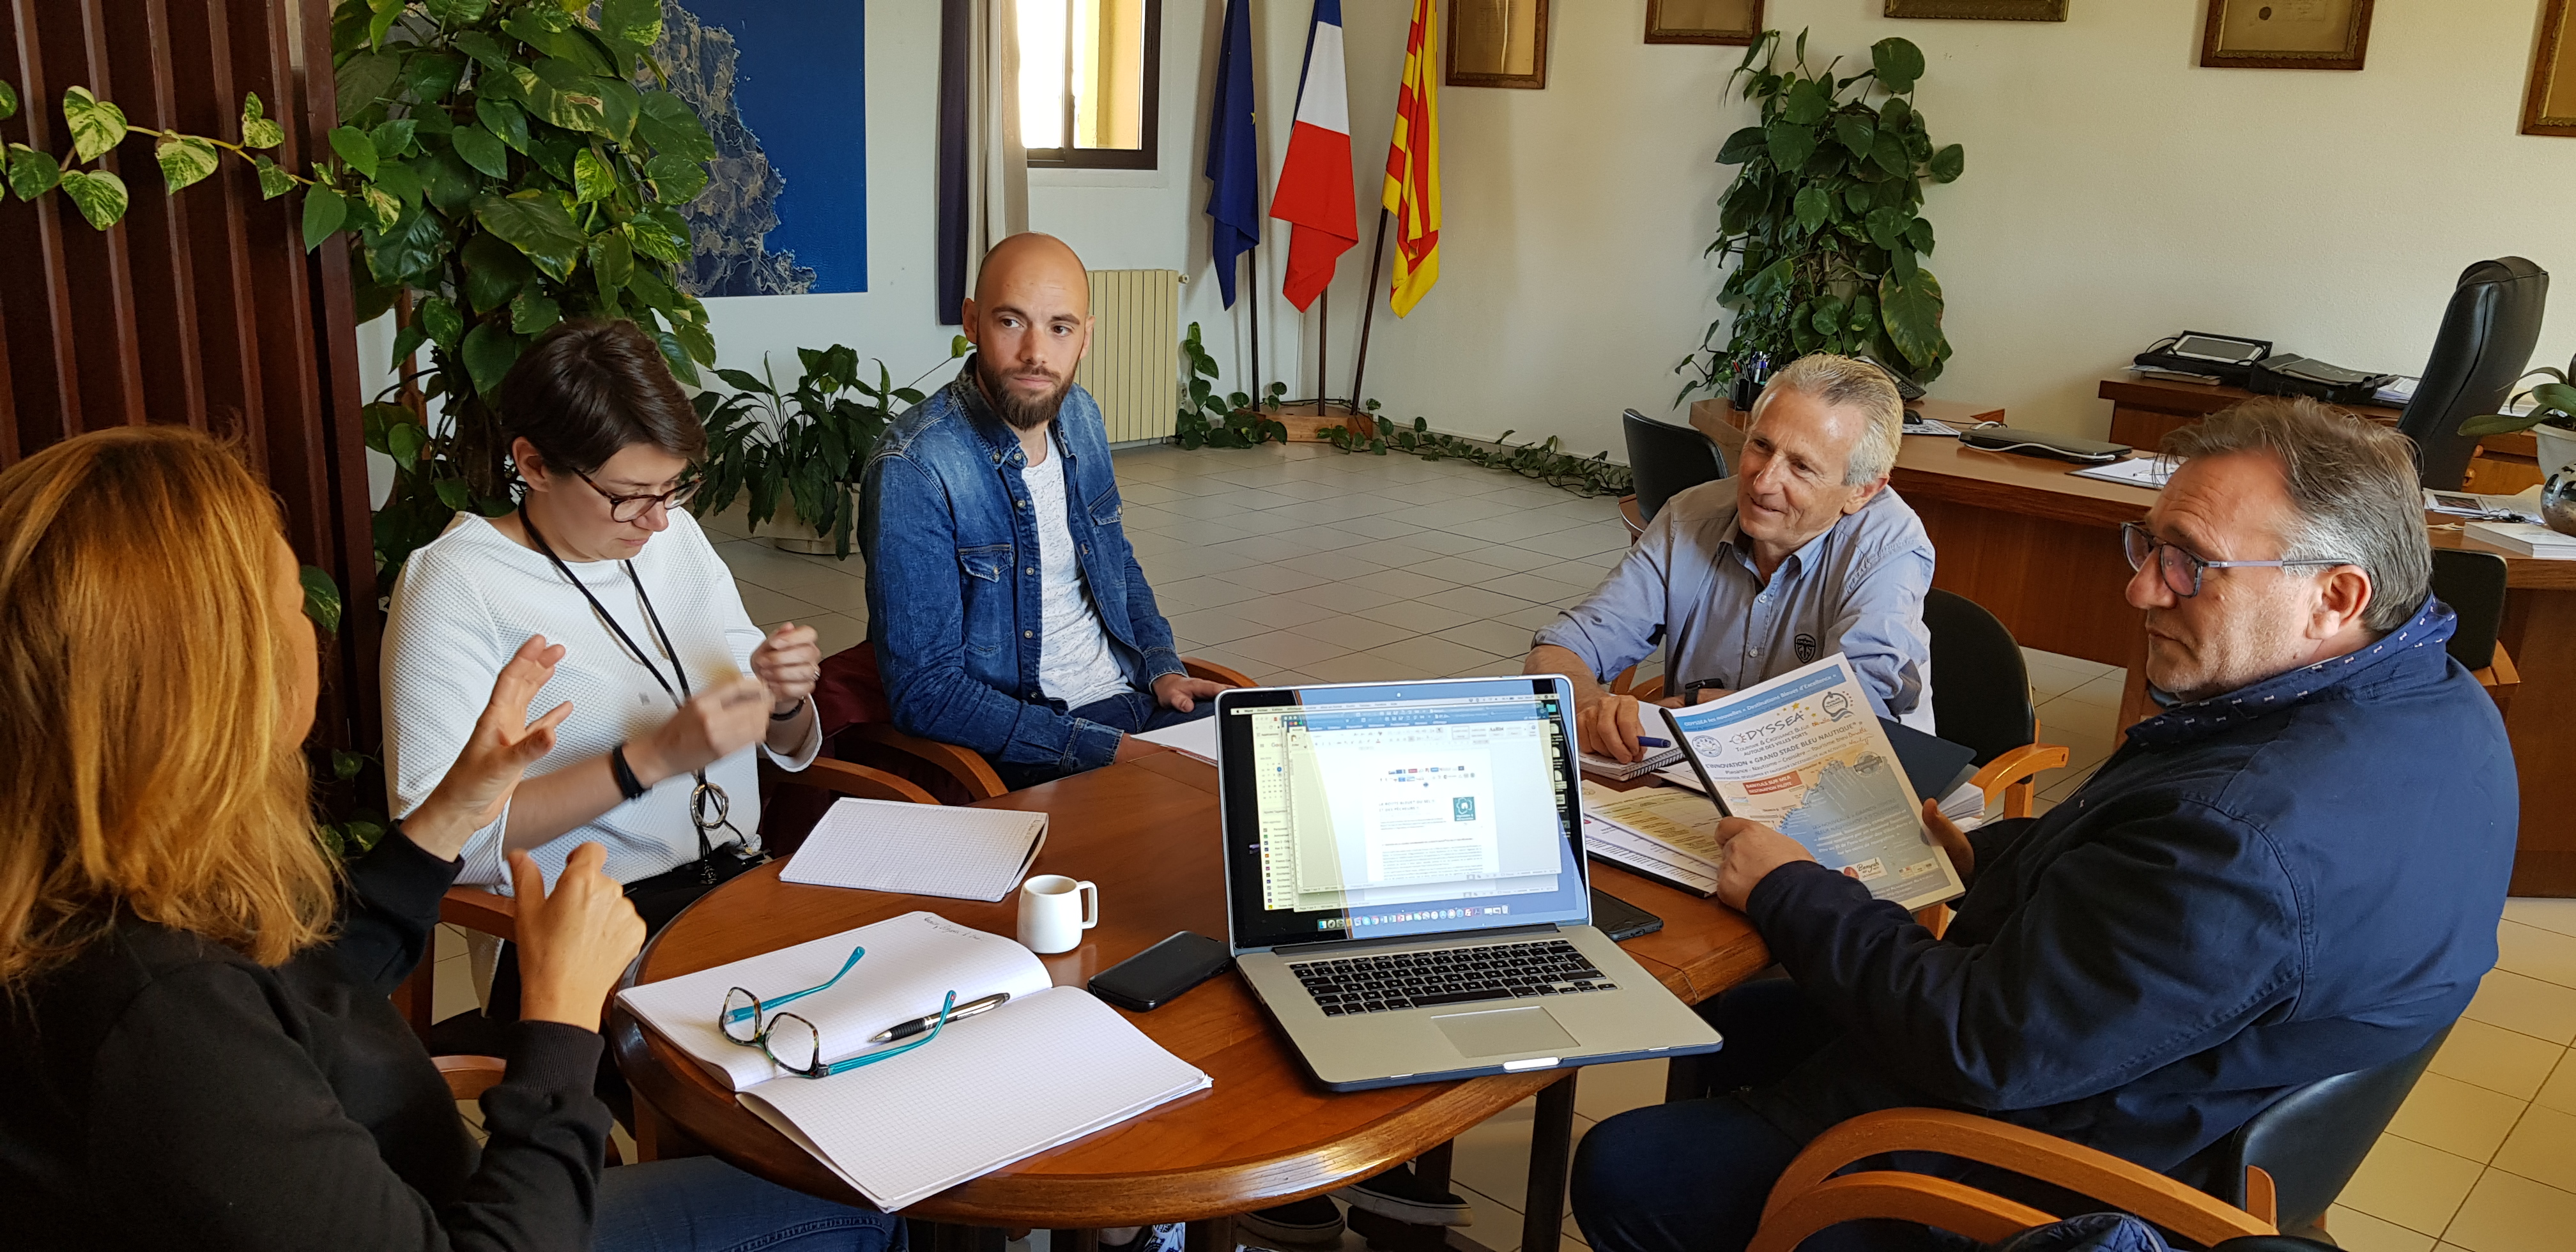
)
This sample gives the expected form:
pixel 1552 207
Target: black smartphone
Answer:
pixel 1159 974
pixel 1621 920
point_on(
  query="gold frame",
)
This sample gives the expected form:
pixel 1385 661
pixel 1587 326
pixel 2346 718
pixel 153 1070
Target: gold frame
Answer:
pixel 2356 45
pixel 1535 80
pixel 1656 32
pixel 1980 10
pixel 2549 56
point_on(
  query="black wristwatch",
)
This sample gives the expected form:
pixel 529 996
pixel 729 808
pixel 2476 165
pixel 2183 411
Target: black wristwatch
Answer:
pixel 628 785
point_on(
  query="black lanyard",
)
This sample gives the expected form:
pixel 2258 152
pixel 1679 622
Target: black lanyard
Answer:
pixel 706 793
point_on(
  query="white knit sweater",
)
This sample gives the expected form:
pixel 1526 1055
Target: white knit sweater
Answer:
pixel 465 603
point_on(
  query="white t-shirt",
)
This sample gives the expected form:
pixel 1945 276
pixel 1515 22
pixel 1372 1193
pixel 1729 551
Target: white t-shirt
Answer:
pixel 465 603
pixel 1075 664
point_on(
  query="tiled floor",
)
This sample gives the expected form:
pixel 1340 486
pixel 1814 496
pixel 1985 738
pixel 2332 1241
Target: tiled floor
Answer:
pixel 1303 563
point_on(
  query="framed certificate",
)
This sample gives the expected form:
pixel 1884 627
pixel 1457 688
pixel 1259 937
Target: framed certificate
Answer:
pixel 2286 34
pixel 1980 10
pixel 1498 43
pixel 1703 21
pixel 2549 103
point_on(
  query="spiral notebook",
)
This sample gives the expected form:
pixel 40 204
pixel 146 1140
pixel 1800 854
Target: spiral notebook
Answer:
pixel 919 849
pixel 1051 1065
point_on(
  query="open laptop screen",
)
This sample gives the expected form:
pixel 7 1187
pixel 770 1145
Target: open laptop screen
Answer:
pixel 1390 809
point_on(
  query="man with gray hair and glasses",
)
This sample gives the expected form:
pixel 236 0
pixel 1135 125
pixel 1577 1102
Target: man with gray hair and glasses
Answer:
pixel 2293 871
pixel 1802 554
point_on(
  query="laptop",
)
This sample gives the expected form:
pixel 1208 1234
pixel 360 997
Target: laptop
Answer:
pixel 1406 889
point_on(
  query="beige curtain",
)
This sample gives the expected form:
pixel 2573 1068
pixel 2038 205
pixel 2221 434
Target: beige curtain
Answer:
pixel 998 179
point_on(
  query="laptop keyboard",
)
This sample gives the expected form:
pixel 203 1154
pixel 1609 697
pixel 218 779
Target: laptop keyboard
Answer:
pixel 1411 980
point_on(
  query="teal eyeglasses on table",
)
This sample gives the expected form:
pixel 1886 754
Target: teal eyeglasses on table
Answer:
pixel 792 1043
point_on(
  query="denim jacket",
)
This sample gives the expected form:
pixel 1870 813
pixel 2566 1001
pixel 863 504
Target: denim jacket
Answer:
pixel 955 598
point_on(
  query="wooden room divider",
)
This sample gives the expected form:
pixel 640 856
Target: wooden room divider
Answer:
pixel 200 309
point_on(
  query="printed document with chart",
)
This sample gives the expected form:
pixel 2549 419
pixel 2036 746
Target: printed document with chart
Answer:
pixel 1804 755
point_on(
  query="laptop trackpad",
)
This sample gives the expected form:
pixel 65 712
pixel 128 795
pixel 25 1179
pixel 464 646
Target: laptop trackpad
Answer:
pixel 1504 1030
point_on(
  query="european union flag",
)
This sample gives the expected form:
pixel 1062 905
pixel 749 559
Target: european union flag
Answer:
pixel 1233 159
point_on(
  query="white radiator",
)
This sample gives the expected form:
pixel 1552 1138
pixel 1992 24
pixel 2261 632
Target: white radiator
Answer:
pixel 1135 364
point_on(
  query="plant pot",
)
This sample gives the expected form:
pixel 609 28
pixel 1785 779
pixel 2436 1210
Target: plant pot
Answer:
pixel 2557 447
pixel 787 532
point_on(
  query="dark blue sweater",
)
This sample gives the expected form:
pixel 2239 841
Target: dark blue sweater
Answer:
pixel 2290 881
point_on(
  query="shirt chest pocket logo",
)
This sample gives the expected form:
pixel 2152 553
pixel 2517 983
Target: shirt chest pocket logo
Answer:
pixel 987 562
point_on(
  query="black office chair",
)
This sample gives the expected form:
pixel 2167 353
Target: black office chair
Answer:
pixel 2472 583
pixel 1668 460
pixel 2485 343
pixel 2312 1139
pixel 1981 700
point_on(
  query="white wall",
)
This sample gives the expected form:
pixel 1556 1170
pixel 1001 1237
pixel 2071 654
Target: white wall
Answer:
pixel 2115 192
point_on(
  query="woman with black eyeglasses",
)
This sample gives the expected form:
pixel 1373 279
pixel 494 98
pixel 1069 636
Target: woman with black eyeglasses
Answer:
pixel 676 689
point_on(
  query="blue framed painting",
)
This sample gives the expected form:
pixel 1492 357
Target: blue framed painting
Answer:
pixel 782 88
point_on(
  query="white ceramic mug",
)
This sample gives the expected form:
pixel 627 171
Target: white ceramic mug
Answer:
pixel 1055 910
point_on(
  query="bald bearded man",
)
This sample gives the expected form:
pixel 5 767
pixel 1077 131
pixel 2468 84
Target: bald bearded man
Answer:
pixel 1008 613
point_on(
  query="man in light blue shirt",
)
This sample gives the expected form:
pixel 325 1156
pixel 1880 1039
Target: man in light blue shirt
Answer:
pixel 1804 553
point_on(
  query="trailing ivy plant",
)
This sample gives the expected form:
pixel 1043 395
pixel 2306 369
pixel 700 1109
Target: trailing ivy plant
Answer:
pixel 496 164
pixel 1824 219
pixel 1230 421
pixel 811 441
pixel 1545 460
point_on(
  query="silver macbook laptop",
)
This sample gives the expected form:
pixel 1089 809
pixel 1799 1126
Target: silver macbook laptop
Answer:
pixel 1406 886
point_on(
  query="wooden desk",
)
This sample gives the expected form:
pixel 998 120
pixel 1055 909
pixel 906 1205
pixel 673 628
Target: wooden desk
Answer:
pixel 2145 410
pixel 1146 830
pixel 2039 548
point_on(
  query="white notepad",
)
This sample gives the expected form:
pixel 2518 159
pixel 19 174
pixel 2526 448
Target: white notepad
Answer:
pixel 912 963
pixel 1193 739
pixel 919 849
pixel 1048 1067
pixel 991 1090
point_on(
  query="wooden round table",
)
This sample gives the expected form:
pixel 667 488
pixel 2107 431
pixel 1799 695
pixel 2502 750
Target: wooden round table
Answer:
pixel 1146 831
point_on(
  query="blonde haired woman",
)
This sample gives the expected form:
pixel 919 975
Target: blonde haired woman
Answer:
pixel 192 995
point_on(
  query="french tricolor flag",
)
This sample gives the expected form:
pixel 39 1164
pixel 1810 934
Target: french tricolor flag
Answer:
pixel 1316 195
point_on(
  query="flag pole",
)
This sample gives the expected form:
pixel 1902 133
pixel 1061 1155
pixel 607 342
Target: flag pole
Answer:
pixel 1254 291
pixel 1368 313
pixel 1323 336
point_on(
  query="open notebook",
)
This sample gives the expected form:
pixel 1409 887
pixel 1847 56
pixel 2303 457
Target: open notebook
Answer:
pixel 1048 1067
pixel 919 849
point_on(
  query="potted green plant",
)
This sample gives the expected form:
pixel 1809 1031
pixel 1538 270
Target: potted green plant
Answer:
pixel 2551 419
pixel 809 442
pixel 2552 423
pixel 1824 219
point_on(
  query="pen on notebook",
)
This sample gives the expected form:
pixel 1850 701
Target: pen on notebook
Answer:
pixel 1652 742
pixel 917 1025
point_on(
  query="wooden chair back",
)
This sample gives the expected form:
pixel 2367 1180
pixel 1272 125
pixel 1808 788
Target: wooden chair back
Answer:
pixel 1810 1196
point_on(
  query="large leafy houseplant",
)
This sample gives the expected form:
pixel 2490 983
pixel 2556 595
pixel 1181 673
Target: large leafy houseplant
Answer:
pixel 499 170
pixel 1824 219
pixel 810 441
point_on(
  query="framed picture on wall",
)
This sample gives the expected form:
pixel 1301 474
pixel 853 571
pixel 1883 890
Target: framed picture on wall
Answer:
pixel 1981 10
pixel 1703 21
pixel 1498 43
pixel 2286 34
pixel 2549 104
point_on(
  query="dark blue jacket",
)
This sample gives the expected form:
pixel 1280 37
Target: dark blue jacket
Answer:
pixel 956 605
pixel 2290 881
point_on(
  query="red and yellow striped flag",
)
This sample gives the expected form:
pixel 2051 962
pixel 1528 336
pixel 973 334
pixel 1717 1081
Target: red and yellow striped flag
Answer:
pixel 1413 166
